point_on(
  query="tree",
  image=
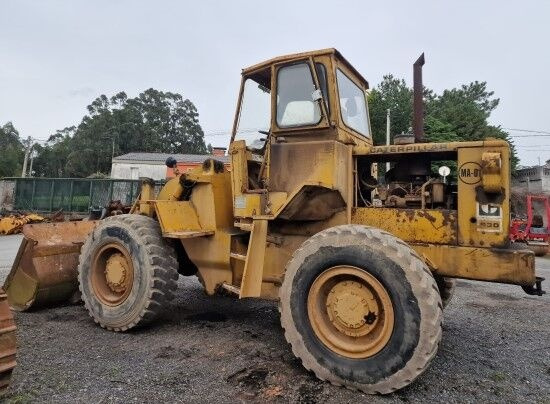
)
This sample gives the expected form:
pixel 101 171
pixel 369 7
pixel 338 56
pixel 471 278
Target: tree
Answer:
pixel 458 114
pixel 465 109
pixel 52 158
pixel 154 121
pixel 13 151
pixel 393 94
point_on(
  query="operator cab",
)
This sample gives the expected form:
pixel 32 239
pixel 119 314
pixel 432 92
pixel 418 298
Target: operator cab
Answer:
pixel 313 90
pixel 299 98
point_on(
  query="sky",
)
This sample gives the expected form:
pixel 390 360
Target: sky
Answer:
pixel 57 56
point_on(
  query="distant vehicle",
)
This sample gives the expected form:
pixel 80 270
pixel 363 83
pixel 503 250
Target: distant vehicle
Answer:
pixel 532 230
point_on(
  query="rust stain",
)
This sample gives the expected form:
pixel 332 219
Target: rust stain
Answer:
pixel 412 225
pixel 7 342
pixel 409 213
pixel 426 215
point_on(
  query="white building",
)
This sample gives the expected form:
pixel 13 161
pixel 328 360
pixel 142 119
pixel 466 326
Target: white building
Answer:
pixel 132 166
pixel 534 179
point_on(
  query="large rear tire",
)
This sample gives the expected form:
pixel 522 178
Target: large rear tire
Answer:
pixel 344 288
pixel 127 272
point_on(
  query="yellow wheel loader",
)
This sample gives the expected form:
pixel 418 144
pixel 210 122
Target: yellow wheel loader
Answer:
pixel 360 259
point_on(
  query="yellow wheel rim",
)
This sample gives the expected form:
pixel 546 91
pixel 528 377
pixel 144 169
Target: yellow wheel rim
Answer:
pixel 350 311
pixel 112 274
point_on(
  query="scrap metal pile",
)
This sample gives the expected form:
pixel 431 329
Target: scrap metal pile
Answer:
pixel 14 223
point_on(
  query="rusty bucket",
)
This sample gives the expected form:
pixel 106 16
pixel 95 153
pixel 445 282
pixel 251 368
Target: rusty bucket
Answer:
pixel 45 268
pixel 7 343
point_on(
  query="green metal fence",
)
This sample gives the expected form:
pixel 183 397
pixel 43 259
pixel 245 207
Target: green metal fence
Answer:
pixel 71 194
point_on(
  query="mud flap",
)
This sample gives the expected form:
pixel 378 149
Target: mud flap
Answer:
pixel 45 269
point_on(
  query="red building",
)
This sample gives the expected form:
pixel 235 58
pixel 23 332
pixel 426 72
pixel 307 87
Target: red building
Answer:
pixel 187 162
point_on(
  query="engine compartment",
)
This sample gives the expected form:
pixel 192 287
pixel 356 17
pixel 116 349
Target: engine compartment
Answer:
pixel 410 183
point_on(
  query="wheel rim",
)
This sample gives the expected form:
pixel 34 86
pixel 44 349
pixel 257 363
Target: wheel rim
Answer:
pixel 350 311
pixel 112 274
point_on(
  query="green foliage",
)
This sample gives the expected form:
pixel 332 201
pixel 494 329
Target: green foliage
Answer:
pixel 391 94
pixel 154 121
pixel 465 109
pixel 98 176
pixel 439 131
pixel 458 114
pixel 13 151
pixel 52 158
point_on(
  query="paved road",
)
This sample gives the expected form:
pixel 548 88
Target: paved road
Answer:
pixel 8 249
pixel 495 349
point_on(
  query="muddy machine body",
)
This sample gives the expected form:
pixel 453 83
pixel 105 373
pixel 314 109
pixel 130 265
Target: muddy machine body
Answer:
pixel 360 258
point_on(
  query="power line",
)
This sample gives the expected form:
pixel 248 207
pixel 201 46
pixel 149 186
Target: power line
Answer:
pixel 530 135
pixel 528 130
pixel 227 132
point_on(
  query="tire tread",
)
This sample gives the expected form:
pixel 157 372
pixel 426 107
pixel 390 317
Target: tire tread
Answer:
pixel 162 266
pixel 423 284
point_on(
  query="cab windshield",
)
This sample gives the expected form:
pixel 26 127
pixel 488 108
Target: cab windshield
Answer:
pixel 255 113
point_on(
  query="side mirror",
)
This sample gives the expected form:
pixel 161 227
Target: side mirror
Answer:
pixel 444 171
pixel 316 95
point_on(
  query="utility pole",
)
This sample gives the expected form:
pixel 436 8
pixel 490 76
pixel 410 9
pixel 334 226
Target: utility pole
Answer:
pixel 28 144
pixel 113 150
pixel 387 135
pixel 32 160
pixel 112 138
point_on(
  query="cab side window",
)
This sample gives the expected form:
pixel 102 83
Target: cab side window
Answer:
pixel 295 105
pixel 352 104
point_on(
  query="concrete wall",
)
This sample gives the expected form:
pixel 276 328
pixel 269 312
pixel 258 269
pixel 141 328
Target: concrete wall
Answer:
pixel 7 191
pixel 132 171
pixel 533 179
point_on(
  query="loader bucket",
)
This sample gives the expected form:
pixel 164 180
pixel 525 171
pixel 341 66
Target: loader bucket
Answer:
pixel 45 268
pixel 7 343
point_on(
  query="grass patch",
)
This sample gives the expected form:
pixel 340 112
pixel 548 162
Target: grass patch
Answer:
pixel 498 377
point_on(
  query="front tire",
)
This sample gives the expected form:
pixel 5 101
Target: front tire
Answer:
pixel 371 282
pixel 127 272
pixel 446 288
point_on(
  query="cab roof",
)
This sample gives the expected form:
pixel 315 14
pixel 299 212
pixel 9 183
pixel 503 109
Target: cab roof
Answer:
pixel 296 56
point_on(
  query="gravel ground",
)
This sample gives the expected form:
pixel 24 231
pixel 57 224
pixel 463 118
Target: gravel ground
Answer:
pixel 495 348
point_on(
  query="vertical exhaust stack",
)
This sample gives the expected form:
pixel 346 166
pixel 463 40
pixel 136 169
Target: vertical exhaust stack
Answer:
pixel 418 103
